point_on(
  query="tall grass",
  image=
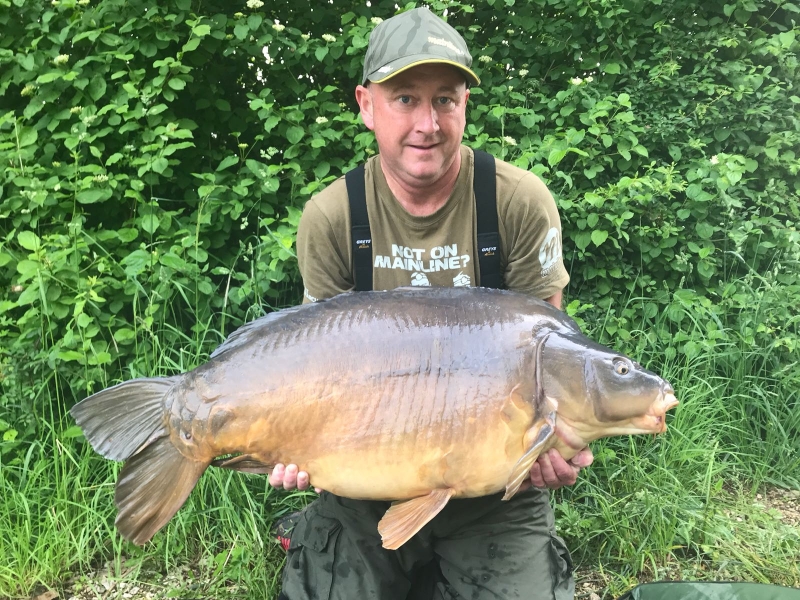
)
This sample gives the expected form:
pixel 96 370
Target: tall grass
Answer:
pixel 680 504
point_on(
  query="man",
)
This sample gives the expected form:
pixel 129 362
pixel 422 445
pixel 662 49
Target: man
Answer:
pixel 422 217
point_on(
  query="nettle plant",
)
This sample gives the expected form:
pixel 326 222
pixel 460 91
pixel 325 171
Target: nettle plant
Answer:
pixel 156 158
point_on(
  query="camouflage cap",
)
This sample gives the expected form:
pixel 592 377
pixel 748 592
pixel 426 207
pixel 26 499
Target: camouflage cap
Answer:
pixel 413 38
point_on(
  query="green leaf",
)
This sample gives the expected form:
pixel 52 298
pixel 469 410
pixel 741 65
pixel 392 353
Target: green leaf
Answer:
pixel 28 240
pixel 201 30
pixel 321 52
pixel 227 162
pixel 27 61
pixel 176 84
pixel 322 169
pixel 97 87
pixel 191 44
pixel 173 261
pixel 124 335
pixel 93 195
pixel 160 164
pixel 27 268
pixel 72 432
pixel 294 134
pixel 27 136
pixel 241 31
pixel 556 156
pixel 704 230
pixel 149 223
pixel 611 68
pixel 599 236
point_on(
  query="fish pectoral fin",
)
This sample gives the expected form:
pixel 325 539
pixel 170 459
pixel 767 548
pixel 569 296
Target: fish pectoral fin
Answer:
pixel 246 463
pixel 539 433
pixel 406 518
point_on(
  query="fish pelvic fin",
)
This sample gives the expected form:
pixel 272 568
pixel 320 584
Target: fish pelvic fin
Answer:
pixel 541 431
pixel 246 463
pixel 152 486
pixel 406 518
pixel 120 420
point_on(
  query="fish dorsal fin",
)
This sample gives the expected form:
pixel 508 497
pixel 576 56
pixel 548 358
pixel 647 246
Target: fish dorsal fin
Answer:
pixel 246 463
pixel 404 519
pixel 541 431
pixel 247 331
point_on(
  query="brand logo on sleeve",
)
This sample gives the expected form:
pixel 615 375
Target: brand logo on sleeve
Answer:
pixel 550 251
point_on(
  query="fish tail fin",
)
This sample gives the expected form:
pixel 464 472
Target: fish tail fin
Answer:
pixel 151 488
pixel 120 420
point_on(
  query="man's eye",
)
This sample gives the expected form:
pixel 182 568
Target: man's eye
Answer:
pixel 444 100
pixel 404 99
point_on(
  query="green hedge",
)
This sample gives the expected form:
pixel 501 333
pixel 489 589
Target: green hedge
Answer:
pixel 156 157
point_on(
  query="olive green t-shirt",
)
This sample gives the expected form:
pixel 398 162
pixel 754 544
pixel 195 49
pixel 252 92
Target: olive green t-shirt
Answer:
pixel 436 249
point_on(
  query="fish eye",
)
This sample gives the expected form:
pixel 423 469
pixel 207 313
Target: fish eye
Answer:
pixel 621 366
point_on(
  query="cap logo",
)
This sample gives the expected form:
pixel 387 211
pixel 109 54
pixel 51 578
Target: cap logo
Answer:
pixel 385 69
pixel 446 43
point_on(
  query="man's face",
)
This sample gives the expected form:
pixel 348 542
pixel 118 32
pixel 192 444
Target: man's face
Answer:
pixel 418 118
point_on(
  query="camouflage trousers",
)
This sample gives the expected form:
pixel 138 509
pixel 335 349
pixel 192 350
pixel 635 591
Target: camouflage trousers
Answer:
pixel 475 549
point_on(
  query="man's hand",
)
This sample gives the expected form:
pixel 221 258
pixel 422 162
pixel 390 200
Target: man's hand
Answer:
pixel 551 471
pixel 289 478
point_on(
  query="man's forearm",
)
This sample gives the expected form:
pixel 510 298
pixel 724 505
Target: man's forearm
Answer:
pixel 555 299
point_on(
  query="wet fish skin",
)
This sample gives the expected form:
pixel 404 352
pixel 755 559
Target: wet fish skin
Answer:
pixel 417 395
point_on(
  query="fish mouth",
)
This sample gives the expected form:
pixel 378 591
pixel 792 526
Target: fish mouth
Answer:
pixel 665 402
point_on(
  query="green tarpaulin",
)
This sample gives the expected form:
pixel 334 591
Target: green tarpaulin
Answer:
pixel 697 590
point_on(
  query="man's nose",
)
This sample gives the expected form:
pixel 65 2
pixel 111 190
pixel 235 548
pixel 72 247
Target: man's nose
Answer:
pixel 428 119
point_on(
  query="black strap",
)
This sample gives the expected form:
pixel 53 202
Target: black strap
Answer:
pixel 485 186
pixel 359 229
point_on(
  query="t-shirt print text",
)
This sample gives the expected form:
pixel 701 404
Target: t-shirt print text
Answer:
pixel 419 262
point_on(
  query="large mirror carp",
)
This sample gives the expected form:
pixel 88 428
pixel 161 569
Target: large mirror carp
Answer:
pixel 417 395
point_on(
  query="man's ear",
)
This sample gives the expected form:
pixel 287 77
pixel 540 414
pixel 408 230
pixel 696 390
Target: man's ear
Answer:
pixel 364 99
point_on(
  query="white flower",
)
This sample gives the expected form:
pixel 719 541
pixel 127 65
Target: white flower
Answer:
pixel 376 20
pixel 485 59
pixel 28 90
pixel 714 160
pixel 305 36
pixel 254 4
pixel 321 120
pixel 523 72
pixel 328 37
pixel 61 59
pixel 83 2
pixel 509 140
pixel 576 81
pixel 510 31
pixel 589 79
pixel 100 178
pixel 278 27
pixel 238 15
pixel 75 110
